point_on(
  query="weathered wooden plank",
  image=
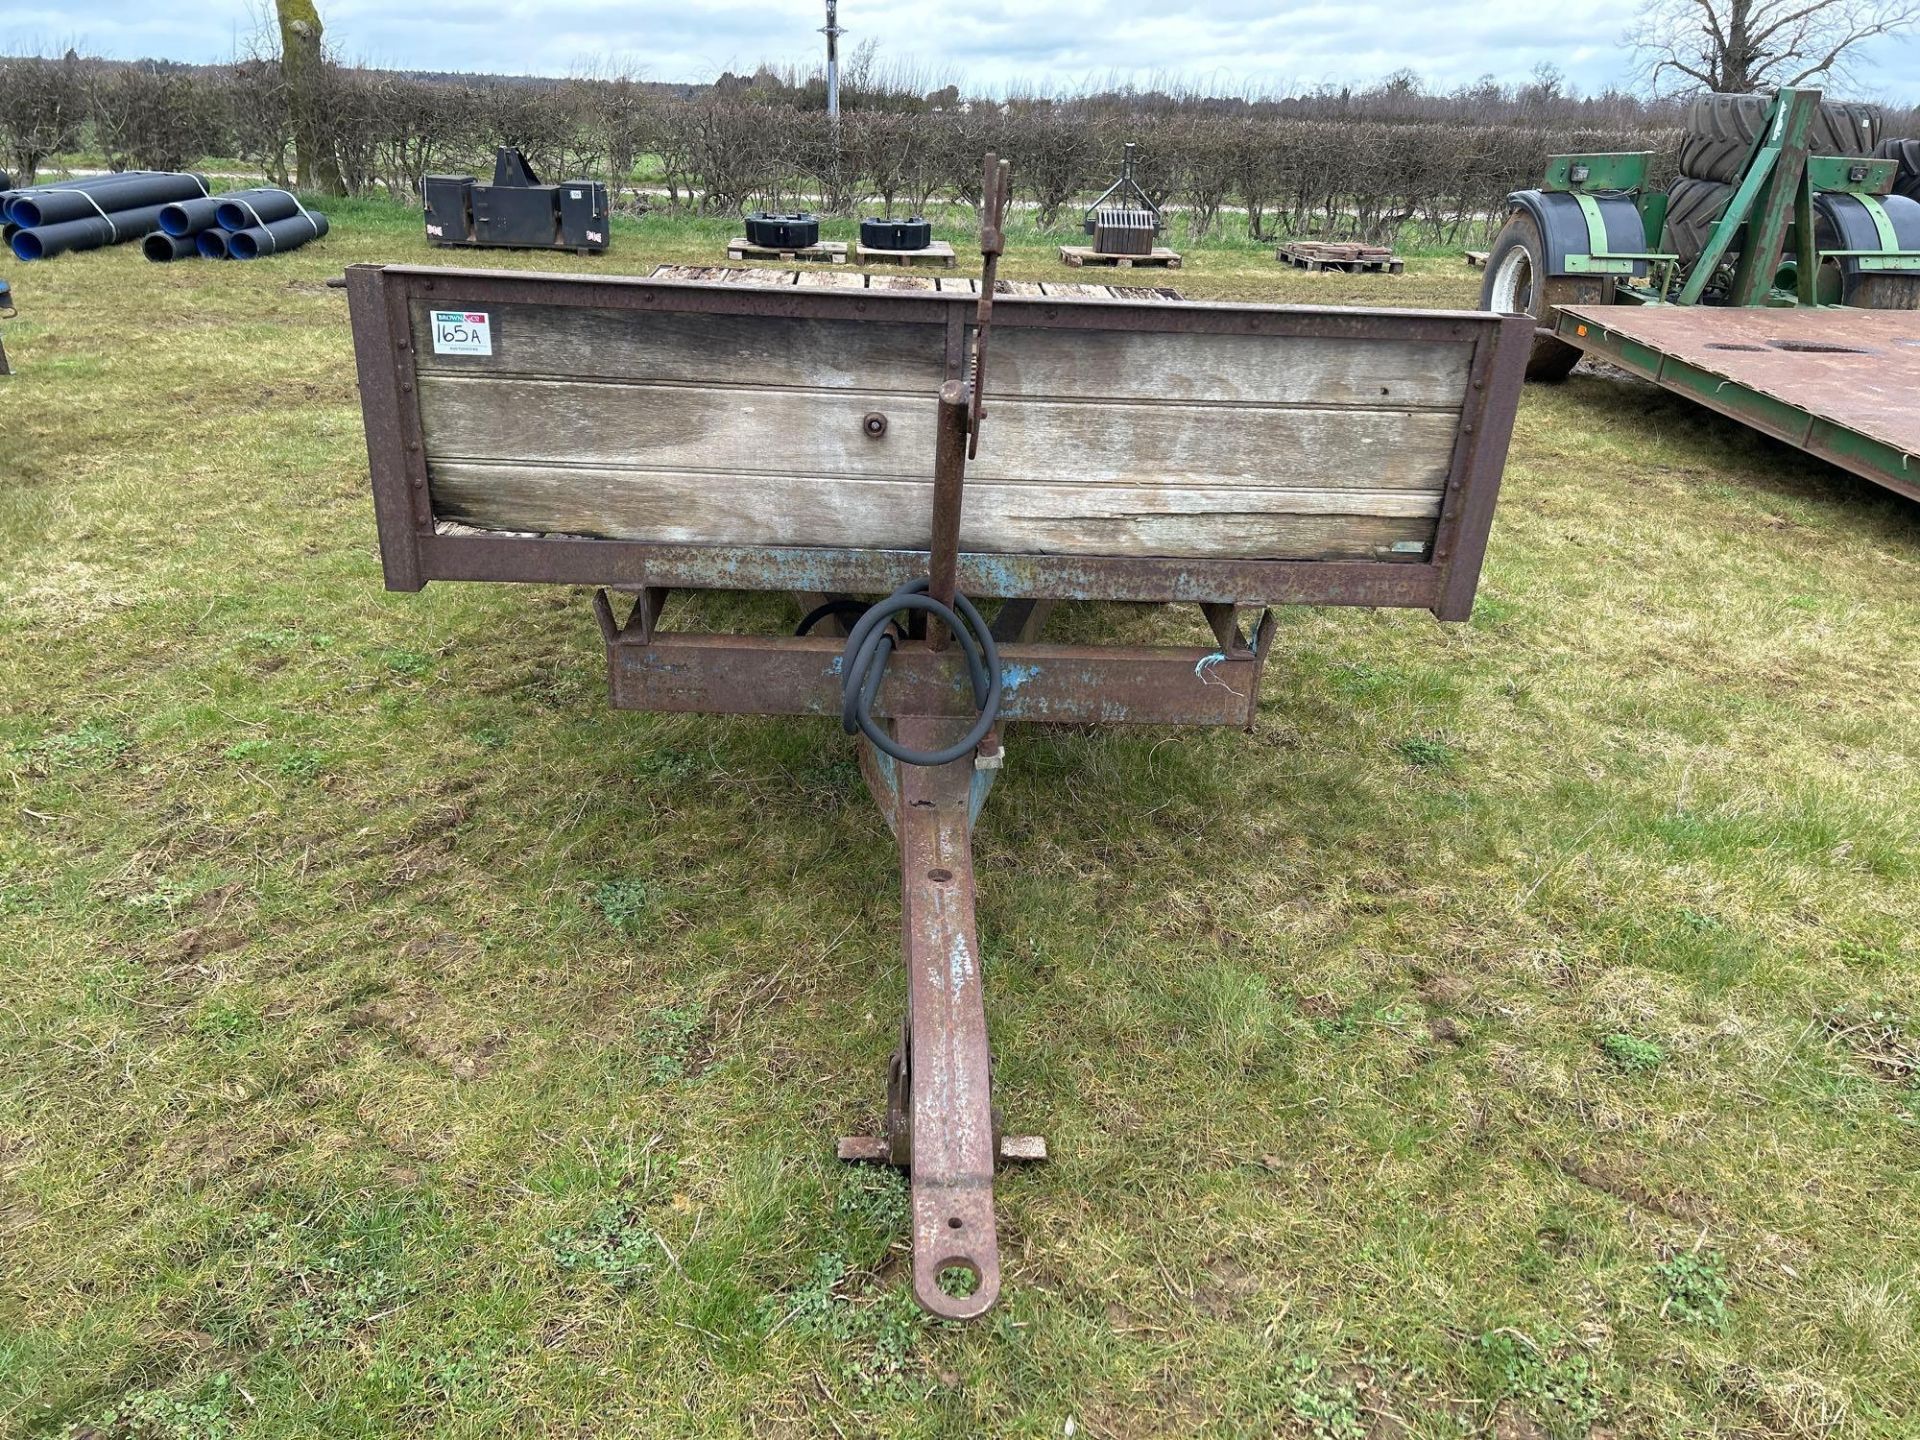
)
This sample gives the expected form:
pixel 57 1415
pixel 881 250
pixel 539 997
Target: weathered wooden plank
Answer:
pixel 718 349
pixel 831 279
pixel 699 509
pixel 735 429
pixel 1236 368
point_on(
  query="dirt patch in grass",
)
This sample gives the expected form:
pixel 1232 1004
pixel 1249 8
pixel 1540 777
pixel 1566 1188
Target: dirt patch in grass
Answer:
pixel 1615 1176
pixel 424 1026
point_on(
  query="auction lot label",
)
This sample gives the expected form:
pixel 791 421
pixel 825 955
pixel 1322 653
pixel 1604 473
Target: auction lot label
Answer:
pixel 462 332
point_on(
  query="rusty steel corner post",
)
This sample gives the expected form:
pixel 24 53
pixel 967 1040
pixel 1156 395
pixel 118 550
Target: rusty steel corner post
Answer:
pixel 949 481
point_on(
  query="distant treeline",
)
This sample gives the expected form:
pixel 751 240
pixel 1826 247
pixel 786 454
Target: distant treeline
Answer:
pixel 1388 158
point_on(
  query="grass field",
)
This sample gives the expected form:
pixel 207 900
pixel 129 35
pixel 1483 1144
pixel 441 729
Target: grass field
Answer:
pixel 1516 1035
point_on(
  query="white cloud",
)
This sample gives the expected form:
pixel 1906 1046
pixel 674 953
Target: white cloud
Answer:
pixel 1227 45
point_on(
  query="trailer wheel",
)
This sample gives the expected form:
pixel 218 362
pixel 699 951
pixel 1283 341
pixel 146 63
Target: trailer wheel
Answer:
pixel 1720 131
pixel 1517 283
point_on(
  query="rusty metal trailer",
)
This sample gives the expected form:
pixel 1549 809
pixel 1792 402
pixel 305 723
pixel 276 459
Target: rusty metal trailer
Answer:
pixel 649 436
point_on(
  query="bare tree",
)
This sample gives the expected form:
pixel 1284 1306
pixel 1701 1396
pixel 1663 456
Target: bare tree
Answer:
pixel 262 122
pixel 42 105
pixel 1738 46
pixel 149 118
pixel 304 64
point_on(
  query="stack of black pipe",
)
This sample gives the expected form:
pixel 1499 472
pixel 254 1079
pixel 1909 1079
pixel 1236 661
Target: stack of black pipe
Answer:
pixel 47 220
pixel 240 225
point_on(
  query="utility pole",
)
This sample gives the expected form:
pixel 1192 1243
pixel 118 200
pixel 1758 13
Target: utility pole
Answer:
pixel 833 32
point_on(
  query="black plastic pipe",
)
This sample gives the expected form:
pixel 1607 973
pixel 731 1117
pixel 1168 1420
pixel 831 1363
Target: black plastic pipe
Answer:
pixel 186 217
pixel 43 242
pixel 277 236
pixel 105 185
pixel 213 243
pixel 160 247
pixel 246 209
pixel 56 204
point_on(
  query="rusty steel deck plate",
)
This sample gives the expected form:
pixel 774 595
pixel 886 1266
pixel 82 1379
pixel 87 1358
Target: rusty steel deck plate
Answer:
pixel 1842 384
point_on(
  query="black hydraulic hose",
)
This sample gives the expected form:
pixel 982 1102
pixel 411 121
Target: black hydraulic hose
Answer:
pixel 845 609
pixel 863 666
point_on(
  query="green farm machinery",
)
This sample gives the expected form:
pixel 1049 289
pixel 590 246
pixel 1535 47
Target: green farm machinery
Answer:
pixel 1777 280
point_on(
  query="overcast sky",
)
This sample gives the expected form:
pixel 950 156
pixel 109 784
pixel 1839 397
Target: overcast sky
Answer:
pixel 1224 45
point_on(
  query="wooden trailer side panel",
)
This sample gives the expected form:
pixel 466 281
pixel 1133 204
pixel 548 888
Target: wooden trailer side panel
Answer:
pixel 643 432
pixel 759 430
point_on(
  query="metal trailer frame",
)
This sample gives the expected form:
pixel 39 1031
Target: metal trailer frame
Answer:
pixel 941 1120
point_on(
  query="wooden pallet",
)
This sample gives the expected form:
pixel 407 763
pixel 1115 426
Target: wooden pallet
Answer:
pixel 1477 259
pixel 1349 257
pixel 1078 255
pixel 938 253
pixel 944 284
pixel 834 252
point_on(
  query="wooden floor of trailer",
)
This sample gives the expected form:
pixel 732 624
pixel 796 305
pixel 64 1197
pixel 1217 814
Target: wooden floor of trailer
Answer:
pixel 1841 384
pixel 947 284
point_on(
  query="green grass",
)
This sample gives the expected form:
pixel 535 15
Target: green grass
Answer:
pixel 396 1041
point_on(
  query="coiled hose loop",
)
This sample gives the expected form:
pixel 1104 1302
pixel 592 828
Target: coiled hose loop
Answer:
pixel 864 665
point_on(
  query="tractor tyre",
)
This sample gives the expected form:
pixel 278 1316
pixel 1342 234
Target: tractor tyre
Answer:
pixel 1517 283
pixel 1906 179
pixel 1720 131
pixel 1693 206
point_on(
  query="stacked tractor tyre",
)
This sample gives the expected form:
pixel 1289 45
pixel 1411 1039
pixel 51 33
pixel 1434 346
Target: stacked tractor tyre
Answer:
pixel 1720 132
pixel 1906 179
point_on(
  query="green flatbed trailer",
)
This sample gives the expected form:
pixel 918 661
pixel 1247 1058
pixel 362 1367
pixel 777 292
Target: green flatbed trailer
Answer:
pixel 1796 315
pixel 1841 384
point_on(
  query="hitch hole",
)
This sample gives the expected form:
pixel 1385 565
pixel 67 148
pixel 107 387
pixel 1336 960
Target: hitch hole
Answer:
pixel 953 1222
pixel 921 804
pixel 940 875
pixel 959 1279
